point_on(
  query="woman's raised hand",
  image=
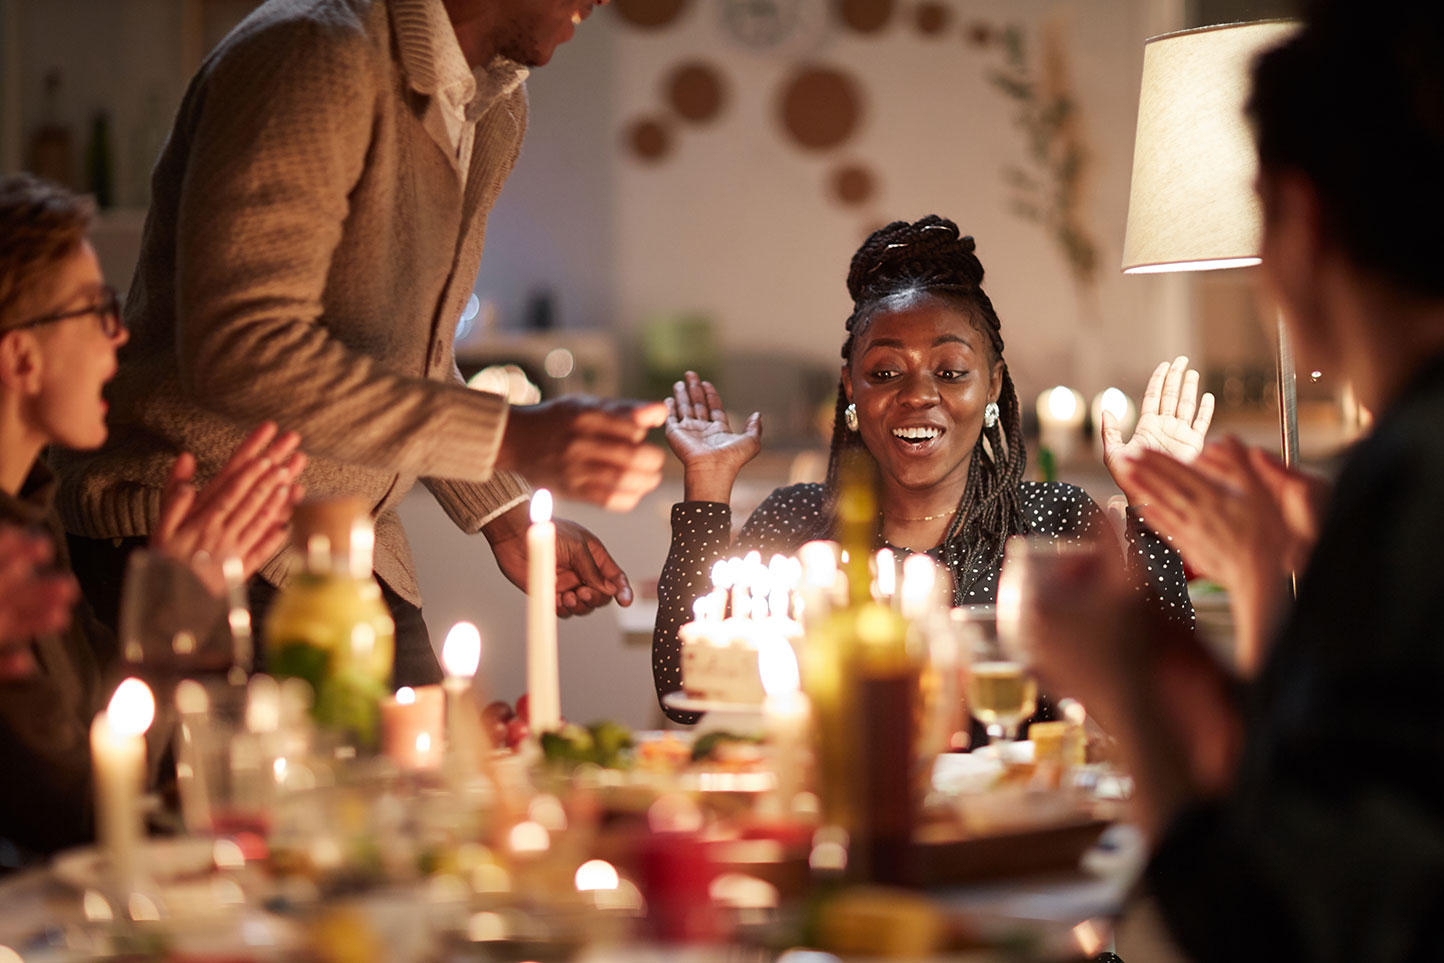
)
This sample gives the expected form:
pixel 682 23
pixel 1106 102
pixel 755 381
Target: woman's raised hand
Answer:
pixel 698 431
pixel 1172 419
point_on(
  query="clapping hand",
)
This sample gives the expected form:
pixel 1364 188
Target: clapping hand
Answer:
pixel 242 512
pixel 699 432
pixel 1239 517
pixel 1172 419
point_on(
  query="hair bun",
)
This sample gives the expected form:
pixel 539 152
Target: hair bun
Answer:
pixel 929 249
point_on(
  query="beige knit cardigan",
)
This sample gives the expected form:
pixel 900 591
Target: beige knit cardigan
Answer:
pixel 308 252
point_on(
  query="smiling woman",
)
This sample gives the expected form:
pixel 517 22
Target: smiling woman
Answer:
pixel 925 391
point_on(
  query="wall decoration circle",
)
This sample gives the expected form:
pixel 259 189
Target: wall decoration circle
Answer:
pixel 865 16
pixel 695 90
pixel 932 18
pixel 821 107
pixel 649 14
pixel 853 184
pixel 648 139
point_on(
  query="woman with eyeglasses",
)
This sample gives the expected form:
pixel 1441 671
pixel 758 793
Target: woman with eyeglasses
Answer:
pixel 60 327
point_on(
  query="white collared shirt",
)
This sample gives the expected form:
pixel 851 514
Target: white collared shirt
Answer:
pixel 460 96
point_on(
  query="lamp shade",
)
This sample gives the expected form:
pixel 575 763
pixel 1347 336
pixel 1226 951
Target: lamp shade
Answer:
pixel 1192 205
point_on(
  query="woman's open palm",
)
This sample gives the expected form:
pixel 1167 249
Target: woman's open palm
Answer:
pixel 1172 419
pixel 699 432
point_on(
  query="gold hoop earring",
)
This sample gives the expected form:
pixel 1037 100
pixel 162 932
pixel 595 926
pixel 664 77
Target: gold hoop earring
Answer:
pixel 849 415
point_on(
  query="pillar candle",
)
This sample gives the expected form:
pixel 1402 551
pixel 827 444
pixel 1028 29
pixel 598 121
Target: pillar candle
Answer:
pixel 542 670
pixel 1060 421
pixel 785 711
pixel 117 746
pixel 461 656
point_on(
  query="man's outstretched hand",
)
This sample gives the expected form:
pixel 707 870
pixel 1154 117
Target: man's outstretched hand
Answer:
pixel 586 449
pixel 587 576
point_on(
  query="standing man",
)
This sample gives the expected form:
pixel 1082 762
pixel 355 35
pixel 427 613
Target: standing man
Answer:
pixel 317 224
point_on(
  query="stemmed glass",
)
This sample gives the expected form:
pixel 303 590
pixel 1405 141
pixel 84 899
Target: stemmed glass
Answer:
pixel 1001 690
pixel 1032 567
pixel 183 619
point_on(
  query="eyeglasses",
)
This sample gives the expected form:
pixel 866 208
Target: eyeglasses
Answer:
pixel 106 311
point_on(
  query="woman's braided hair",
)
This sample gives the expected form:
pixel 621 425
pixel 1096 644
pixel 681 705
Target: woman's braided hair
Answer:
pixel 894 266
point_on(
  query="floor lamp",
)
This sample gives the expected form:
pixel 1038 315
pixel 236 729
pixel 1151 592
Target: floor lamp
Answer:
pixel 1192 206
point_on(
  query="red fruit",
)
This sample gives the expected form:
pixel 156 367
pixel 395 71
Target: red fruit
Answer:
pixel 497 711
pixel 494 719
pixel 523 707
pixel 517 732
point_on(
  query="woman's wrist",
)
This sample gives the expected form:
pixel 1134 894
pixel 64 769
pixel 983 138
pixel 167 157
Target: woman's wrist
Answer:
pixel 708 486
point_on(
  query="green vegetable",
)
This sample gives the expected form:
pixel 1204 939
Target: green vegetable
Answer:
pixel 706 745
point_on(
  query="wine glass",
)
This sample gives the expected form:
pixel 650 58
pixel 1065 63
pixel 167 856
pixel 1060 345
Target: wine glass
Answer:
pixel 1001 690
pixel 183 619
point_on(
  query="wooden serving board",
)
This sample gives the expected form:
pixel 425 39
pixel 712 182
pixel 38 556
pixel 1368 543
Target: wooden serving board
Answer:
pixel 945 856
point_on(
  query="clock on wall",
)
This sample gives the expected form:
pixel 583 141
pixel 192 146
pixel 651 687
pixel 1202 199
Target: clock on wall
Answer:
pixel 786 27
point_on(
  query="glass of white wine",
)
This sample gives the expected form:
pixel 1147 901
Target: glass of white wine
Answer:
pixel 1001 690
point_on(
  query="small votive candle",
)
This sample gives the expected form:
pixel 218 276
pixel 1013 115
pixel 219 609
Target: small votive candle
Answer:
pixel 413 723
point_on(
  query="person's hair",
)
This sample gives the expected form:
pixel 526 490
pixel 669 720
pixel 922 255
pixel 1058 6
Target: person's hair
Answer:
pixel 895 267
pixel 41 224
pixel 1355 103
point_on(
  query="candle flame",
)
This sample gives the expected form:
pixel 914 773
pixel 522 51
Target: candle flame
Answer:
pixel 777 664
pixel 886 573
pixel 191 698
pixel 529 837
pixel 920 578
pixel 462 652
pixel 819 563
pixel 1115 402
pixel 596 874
pixel 263 704
pixel 541 506
pixel 132 708
pixel 722 574
pixel 406 696
pixel 1062 403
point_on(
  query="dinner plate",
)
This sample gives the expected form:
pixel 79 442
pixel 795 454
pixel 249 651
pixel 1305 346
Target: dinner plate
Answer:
pixel 679 700
pixel 163 860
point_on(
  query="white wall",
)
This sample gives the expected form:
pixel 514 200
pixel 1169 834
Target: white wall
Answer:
pixel 736 223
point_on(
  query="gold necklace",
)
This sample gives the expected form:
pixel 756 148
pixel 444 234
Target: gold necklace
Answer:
pixel 925 518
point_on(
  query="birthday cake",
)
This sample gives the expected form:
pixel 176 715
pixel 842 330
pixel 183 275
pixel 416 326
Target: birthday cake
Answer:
pixel 719 658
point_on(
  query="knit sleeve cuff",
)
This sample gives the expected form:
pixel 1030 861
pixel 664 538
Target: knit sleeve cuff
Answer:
pixel 471 437
pixel 472 505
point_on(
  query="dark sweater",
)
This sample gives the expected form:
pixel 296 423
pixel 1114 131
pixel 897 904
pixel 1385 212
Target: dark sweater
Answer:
pixel 45 797
pixel 1330 846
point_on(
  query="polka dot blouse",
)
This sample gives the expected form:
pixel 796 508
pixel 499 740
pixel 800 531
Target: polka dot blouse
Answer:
pixel 702 534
